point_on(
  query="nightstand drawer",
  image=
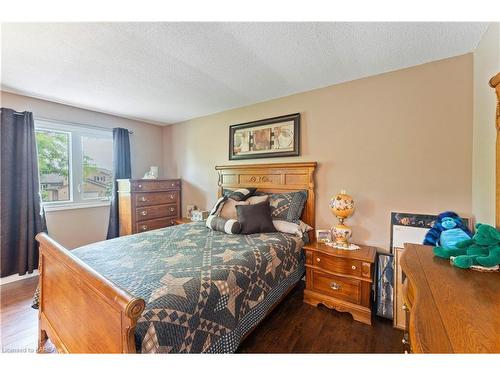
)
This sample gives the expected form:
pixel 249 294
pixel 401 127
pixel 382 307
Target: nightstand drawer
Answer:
pixel 153 212
pixel 336 286
pixel 335 264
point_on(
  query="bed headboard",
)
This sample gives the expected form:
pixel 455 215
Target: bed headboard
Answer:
pixel 273 178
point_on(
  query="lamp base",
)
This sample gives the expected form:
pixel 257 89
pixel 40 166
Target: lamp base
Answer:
pixel 341 234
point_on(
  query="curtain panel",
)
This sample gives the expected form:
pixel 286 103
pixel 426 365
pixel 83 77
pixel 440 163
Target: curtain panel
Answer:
pixel 20 206
pixel 121 169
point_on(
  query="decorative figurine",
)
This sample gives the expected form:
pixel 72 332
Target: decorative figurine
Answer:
pixel 152 174
pixel 342 206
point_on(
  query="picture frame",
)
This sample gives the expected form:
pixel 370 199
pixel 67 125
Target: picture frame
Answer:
pixel 412 227
pixel 323 235
pixel 407 228
pixel 266 138
pixel 190 208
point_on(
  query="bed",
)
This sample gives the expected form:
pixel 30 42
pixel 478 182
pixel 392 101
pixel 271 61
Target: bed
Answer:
pixel 181 289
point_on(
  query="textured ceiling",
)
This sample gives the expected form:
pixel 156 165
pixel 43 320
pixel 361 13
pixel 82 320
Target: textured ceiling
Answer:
pixel 169 72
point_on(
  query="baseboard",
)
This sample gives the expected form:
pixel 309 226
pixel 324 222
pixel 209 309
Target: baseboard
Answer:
pixel 13 278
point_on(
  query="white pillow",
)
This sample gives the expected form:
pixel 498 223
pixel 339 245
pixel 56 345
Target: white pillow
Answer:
pixel 291 228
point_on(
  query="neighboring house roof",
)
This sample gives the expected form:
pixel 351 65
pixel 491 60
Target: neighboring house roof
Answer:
pixel 52 178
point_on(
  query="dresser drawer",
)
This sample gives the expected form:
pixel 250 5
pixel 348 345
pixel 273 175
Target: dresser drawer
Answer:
pixel 153 212
pixel 336 286
pixel 337 265
pixel 143 226
pixel 163 185
pixel 151 199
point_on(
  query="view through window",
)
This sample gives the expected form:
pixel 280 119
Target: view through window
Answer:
pixel 75 163
pixel 53 164
pixel 97 164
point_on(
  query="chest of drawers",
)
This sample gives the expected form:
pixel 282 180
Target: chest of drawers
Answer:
pixel 340 279
pixel 148 204
pixel 449 309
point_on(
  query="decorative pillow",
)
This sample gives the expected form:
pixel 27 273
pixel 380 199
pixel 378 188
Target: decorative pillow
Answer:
pixel 228 210
pixel 288 206
pixel 240 194
pixel 215 222
pixel 255 218
pixel 257 199
pixel 229 226
pixel 286 227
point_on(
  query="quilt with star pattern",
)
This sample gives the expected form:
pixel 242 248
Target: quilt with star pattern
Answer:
pixel 204 290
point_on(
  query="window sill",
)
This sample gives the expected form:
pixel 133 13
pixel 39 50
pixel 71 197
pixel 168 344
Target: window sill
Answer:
pixel 74 206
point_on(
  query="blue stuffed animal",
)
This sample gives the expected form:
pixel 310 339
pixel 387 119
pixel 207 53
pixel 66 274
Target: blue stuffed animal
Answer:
pixel 447 231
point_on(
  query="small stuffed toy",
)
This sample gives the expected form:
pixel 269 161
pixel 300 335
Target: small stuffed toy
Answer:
pixel 447 231
pixel 483 249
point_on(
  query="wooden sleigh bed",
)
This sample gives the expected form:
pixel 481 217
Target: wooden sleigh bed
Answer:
pixel 81 311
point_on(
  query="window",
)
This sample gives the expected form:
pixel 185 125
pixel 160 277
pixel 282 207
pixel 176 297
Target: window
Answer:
pixel 74 162
pixel 97 162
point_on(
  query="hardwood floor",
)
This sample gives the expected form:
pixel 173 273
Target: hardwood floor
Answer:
pixel 18 320
pixel 296 327
pixel 293 327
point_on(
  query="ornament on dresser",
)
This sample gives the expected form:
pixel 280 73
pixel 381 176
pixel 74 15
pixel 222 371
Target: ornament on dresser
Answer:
pixel 342 206
pixel 152 174
pixel 190 209
pixel 198 215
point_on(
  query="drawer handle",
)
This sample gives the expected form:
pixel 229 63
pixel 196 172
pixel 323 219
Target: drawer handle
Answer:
pixel 144 227
pixel 405 340
pixel 144 213
pixel 335 286
pixel 172 222
pixel 172 209
pixel 173 184
pixel 353 267
pixel 404 307
pixel 139 186
pixel 171 196
pixel 318 260
pixel 143 199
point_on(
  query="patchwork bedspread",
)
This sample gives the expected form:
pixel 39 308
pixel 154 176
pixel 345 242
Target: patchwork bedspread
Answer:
pixel 204 290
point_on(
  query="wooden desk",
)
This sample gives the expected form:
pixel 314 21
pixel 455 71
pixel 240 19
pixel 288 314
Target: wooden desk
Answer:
pixel 451 310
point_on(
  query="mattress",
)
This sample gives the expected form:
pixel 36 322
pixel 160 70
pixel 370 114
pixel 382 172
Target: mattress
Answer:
pixel 204 290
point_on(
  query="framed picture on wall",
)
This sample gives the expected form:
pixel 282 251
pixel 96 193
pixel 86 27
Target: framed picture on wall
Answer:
pixel 267 138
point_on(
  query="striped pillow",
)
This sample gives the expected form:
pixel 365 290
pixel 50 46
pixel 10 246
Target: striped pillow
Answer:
pixel 229 226
pixel 240 194
pixel 215 222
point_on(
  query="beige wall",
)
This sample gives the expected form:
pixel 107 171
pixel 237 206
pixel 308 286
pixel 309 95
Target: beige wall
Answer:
pixel 400 141
pixel 486 65
pixel 77 227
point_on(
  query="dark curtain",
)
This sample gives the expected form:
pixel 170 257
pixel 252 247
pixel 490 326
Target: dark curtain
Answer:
pixel 19 195
pixel 121 169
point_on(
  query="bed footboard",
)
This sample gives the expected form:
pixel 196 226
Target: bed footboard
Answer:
pixel 80 311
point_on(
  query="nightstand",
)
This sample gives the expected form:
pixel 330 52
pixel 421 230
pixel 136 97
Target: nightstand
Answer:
pixel 340 279
pixel 182 220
